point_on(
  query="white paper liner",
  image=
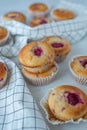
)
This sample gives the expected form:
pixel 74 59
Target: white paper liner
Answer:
pixel 4 41
pixel 60 58
pixel 43 81
pixel 56 122
pixel 2 83
pixel 78 78
pixel 38 14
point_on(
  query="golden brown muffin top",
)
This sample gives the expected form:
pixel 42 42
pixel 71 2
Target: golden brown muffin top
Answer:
pixel 36 54
pixel 38 7
pixel 63 14
pixel 17 16
pixel 67 102
pixel 47 73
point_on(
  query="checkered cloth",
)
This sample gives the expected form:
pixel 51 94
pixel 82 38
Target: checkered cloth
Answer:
pixel 73 30
pixel 18 110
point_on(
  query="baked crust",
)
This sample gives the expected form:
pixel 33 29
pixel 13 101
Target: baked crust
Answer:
pixel 67 102
pixel 39 69
pixel 36 54
pixel 47 73
pixel 17 16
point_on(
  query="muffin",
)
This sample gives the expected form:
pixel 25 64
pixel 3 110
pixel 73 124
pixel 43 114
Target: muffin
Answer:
pixel 37 59
pixel 67 102
pixel 62 14
pixel 39 21
pixel 17 16
pixel 3 74
pixel 60 46
pixel 38 9
pixel 4 34
pixel 78 68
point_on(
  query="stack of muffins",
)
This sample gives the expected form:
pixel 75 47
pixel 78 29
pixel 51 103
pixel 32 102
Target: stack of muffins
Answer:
pixel 38 63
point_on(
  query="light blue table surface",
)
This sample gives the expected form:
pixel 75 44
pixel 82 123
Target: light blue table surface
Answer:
pixel 8 5
pixel 21 5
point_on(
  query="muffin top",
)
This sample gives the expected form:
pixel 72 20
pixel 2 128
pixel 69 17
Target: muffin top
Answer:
pixel 47 73
pixel 17 16
pixel 62 14
pixel 60 45
pixel 79 66
pixel 38 8
pixel 39 21
pixel 67 102
pixel 3 71
pixel 3 33
pixel 36 54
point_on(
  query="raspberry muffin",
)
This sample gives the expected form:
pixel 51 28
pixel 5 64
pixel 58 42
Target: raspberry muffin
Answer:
pixel 3 74
pixel 62 14
pixel 39 21
pixel 38 9
pixel 67 102
pixel 78 67
pixel 60 46
pixel 17 16
pixel 37 59
pixel 4 34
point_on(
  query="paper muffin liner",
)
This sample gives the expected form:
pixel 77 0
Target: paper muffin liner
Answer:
pixel 60 58
pixel 43 101
pixel 2 83
pixel 3 41
pixel 52 16
pixel 43 81
pixel 78 78
pixel 38 14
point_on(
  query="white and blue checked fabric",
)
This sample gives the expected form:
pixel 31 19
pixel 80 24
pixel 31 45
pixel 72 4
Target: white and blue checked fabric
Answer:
pixel 18 110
